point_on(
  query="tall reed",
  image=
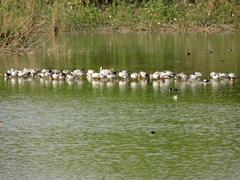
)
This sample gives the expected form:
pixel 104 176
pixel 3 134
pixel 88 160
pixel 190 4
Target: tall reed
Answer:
pixel 20 25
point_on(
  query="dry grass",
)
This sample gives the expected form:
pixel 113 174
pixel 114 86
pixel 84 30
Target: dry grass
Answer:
pixel 20 25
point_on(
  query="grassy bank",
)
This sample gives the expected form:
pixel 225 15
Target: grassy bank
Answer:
pixel 149 16
pixel 22 21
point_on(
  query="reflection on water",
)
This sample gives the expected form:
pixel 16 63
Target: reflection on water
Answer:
pixel 135 52
pixel 164 86
pixel 67 130
pixel 89 129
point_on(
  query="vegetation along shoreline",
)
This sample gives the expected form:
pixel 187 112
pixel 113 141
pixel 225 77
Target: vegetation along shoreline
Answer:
pixel 23 23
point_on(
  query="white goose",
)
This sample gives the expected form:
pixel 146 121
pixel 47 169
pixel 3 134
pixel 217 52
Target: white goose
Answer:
pixel 195 77
pixel 61 77
pixel 23 74
pixel 14 73
pixel 143 75
pixel 78 73
pixel 104 72
pixel 90 72
pixel 183 76
pixel 156 75
pixel 70 77
pixel 232 76
pixel 95 75
pixel 111 76
pixel 215 76
pixel 55 76
pixel 166 74
pixel 134 76
pixel 123 74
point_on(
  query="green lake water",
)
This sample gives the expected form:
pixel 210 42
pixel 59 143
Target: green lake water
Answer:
pixel 102 130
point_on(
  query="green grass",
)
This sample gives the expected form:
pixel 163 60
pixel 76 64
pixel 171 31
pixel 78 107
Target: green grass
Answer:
pixel 75 16
pixel 22 21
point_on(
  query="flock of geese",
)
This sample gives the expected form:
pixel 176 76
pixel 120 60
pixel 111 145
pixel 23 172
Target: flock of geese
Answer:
pixel 110 74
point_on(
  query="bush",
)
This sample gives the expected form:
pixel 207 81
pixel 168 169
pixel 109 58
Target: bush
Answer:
pixel 20 24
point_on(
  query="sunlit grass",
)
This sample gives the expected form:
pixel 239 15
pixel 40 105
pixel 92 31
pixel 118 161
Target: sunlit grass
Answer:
pixel 22 21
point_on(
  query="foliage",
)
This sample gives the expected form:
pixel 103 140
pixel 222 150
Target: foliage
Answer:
pixel 20 24
pixel 21 21
pixel 78 14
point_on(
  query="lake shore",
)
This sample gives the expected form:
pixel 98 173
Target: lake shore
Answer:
pixel 22 25
pixel 165 28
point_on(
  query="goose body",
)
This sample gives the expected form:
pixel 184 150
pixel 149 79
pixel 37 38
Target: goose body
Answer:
pixel 215 76
pixel 123 74
pixel 78 73
pixel 183 76
pixel 14 73
pixel 23 74
pixel 44 71
pixel 109 74
pixel 199 74
pixel 55 76
pixel 70 77
pixel 156 75
pixel 105 72
pixel 143 75
pixel 134 76
pixel 61 77
pixel 95 75
pixel 223 75
pixel 112 76
pixel 193 77
pixel 34 72
pixel 232 76
pixel 90 72
pixel 48 75
pixel 166 74
pixel 56 71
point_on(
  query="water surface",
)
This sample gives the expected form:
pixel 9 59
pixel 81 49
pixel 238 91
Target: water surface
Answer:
pixel 102 130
